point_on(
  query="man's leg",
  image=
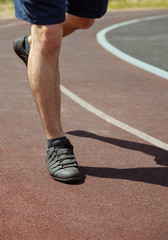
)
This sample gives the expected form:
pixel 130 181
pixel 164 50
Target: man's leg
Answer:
pixel 43 71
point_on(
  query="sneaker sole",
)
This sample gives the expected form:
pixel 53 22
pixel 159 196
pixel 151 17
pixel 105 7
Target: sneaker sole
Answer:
pixel 68 180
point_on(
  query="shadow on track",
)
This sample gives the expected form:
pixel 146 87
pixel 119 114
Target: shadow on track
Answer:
pixel 157 175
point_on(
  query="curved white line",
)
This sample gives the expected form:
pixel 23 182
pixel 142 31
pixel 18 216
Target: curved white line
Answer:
pixel 113 121
pixel 101 38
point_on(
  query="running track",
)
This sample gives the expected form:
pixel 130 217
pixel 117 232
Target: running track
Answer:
pixel 123 194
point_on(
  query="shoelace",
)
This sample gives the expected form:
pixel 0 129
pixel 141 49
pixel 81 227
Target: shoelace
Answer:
pixel 63 153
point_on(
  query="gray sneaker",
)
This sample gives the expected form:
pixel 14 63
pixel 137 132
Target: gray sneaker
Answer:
pixel 61 161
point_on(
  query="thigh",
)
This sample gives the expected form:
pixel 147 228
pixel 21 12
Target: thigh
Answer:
pixel 41 12
pixel 87 8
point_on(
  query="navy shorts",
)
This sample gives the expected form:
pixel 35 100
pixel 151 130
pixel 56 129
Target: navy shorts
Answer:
pixel 46 12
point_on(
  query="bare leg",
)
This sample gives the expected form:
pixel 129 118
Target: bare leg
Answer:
pixel 43 71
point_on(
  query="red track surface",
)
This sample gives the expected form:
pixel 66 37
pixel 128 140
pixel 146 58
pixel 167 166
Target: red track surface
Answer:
pixel 123 195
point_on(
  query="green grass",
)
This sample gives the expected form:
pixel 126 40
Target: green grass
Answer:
pixel 124 4
pixel 6 1
pixel 7 9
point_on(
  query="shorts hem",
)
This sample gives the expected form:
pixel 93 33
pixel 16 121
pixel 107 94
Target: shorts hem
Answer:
pixel 86 15
pixel 41 21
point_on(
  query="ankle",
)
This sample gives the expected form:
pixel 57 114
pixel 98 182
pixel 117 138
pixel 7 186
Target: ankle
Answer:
pixel 50 141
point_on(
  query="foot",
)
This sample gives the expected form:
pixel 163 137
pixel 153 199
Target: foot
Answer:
pixel 61 161
pixel 19 48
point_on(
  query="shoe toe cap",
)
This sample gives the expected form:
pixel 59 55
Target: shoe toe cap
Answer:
pixel 70 174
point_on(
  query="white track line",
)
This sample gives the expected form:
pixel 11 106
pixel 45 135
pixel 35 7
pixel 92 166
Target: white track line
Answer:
pixel 101 38
pixel 113 121
pixel 108 118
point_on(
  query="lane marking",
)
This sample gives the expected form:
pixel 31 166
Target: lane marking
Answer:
pixel 106 117
pixel 113 121
pixel 101 38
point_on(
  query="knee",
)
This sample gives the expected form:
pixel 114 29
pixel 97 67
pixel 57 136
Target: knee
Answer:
pixel 47 37
pixel 86 23
pixel 79 22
